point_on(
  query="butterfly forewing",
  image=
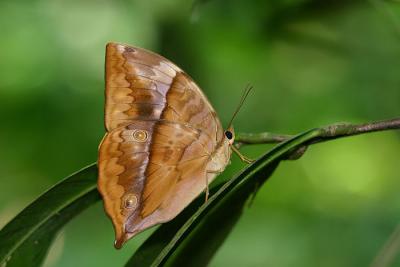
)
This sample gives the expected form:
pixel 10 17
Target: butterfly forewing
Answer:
pixel 163 140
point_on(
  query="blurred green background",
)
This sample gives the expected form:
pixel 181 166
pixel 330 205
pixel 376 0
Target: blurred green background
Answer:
pixel 311 63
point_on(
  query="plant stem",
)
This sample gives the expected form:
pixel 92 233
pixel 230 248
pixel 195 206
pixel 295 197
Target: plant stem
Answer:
pixel 328 132
pixel 260 138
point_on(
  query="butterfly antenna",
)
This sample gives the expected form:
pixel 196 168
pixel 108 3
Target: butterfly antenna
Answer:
pixel 242 99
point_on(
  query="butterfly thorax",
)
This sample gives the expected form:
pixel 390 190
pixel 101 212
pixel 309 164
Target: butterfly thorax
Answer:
pixel 219 159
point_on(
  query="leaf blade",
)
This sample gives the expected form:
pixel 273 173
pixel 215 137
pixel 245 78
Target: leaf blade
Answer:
pixel 45 216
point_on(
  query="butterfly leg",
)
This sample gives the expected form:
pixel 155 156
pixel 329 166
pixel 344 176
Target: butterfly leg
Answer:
pixel 241 156
pixel 213 173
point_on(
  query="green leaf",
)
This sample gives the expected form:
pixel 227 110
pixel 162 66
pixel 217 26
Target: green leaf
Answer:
pixel 192 237
pixel 25 240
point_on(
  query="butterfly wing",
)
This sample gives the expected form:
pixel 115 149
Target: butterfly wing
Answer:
pixel 163 141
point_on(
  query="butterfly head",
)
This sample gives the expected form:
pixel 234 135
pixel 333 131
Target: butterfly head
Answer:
pixel 230 135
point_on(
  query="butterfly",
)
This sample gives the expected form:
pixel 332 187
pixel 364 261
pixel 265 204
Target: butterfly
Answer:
pixel 164 142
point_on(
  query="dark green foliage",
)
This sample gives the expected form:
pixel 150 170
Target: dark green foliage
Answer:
pixel 25 240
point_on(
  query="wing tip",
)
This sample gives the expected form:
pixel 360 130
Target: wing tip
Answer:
pixel 112 43
pixel 119 45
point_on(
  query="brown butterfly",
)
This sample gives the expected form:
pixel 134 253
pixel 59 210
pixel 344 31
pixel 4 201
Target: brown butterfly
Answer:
pixel 164 142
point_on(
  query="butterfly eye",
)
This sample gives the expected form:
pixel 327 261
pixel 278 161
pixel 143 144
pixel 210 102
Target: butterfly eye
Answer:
pixel 228 135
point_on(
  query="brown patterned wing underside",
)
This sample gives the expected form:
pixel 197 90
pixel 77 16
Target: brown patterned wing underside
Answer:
pixel 139 175
pixel 162 140
pixel 144 85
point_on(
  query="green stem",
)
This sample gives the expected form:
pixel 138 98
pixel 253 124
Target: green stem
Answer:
pixel 328 132
pixel 260 138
